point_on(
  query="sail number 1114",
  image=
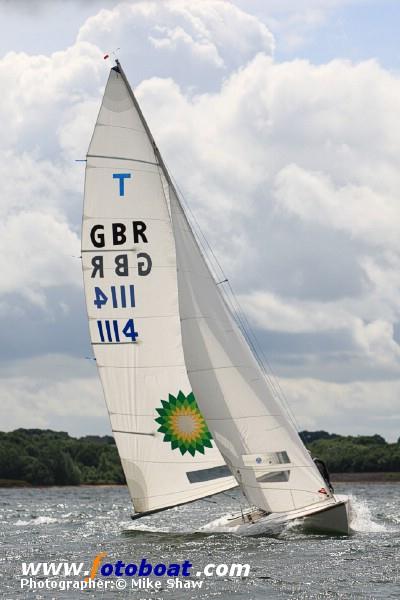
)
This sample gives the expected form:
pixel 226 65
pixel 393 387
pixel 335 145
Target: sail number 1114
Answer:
pixel 110 330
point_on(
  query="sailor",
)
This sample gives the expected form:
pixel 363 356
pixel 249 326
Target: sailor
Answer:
pixel 323 469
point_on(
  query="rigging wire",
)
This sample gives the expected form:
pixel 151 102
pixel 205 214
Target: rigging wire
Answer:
pixel 229 496
pixel 234 305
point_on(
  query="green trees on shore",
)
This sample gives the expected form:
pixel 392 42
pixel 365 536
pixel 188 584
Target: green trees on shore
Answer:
pixel 353 454
pixel 45 457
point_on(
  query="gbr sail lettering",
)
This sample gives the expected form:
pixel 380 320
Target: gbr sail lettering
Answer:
pixel 118 235
pixel 118 255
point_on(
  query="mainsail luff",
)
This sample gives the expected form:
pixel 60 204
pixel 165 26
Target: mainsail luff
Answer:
pixel 129 265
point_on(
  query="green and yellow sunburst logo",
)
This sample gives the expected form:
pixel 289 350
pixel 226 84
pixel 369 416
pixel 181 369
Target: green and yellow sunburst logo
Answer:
pixel 183 425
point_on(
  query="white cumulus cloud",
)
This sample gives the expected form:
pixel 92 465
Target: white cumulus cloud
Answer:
pixel 290 167
pixel 212 36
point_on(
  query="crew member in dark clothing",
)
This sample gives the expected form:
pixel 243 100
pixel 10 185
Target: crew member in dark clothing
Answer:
pixel 322 468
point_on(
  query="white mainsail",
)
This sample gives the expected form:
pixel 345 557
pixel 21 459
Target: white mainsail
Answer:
pixel 253 433
pixel 130 278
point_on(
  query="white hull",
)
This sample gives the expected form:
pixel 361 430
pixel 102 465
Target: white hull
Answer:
pixel 331 516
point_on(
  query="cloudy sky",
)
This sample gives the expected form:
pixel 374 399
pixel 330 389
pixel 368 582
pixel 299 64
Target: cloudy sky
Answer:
pixel 281 122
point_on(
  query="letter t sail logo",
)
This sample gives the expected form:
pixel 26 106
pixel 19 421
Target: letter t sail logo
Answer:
pixel 121 177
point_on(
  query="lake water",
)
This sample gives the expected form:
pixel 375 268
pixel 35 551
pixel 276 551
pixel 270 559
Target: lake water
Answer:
pixel 75 524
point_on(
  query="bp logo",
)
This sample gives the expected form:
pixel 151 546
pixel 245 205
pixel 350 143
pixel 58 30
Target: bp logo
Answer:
pixel 183 425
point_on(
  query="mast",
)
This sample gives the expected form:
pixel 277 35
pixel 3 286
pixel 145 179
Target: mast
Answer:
pixel 146 127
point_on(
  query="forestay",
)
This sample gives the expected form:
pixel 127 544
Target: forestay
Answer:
pixel 130 278
pixel 256 439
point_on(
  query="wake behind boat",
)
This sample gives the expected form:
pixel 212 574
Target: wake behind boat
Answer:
pixel 190 406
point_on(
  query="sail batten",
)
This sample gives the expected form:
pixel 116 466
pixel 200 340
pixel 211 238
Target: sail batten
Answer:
pixel 135 160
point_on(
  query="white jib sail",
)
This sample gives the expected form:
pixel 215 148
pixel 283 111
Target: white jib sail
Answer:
pixel 130 278
pixel 253 433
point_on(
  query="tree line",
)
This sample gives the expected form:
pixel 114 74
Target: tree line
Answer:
pixel 45 457
pixel 353 454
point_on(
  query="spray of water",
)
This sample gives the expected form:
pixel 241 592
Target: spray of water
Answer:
pixel 361 519
pixel 36 521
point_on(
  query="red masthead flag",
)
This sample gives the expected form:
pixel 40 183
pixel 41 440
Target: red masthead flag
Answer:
pixel 106 56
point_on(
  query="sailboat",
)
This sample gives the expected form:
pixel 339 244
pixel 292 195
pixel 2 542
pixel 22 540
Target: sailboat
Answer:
pixel 190 408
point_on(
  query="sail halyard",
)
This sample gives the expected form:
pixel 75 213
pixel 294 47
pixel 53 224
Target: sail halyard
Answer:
pixel 130 276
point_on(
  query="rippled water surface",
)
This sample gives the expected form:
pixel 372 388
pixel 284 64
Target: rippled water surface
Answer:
pixel 75 524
